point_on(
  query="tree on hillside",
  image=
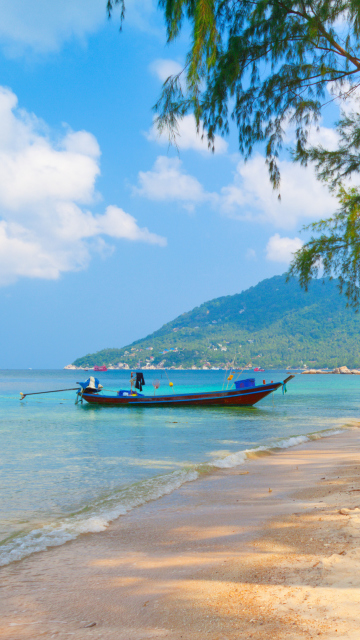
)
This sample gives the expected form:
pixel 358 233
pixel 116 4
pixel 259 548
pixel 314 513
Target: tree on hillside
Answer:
pixel 265 65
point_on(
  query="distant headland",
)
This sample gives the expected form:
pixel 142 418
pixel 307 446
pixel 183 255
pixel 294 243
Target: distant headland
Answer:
pixel 275 324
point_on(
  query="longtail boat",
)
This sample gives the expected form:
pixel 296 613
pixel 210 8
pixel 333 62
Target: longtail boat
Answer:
pixel 246 394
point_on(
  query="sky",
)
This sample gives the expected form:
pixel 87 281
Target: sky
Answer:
pixel 106 232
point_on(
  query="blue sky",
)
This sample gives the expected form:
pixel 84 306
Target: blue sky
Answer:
pixel 106 233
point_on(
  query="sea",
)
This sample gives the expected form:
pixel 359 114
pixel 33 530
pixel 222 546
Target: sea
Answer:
pixel 68 469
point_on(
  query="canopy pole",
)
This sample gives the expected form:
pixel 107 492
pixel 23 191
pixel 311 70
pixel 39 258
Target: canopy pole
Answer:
pixel 245 367
pixel 170 383
pixel 230 377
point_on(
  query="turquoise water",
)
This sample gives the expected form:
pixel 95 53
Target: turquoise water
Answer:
pixel 66 469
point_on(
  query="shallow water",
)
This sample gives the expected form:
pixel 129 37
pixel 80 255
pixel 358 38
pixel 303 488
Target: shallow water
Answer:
pixel 66 469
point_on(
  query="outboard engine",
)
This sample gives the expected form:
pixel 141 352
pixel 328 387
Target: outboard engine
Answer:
pixel 91 385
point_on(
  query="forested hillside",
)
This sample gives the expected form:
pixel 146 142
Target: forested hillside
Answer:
pixel 278 320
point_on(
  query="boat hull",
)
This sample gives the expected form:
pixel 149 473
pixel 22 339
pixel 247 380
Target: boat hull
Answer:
pixel 242 398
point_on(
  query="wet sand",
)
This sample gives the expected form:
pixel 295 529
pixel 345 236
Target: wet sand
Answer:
pixel 270 549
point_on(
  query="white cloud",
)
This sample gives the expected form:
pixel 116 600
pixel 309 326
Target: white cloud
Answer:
pixel 167 181
pixel 318 135
pixel 119 224
pixel 282 249
pixel 188 137
pixel 42 26
pixel 345 98
pixel 324 136
pixel 252 197
pixel 165 67
pixel 249 197
pixel 44 228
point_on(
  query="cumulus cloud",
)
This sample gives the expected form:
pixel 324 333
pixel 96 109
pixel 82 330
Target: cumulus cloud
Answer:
pixel 167 181
pixel 45 228
pixel 280 249
pixel 250 195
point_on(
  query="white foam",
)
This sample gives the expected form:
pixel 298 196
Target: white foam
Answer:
pixel 232 460
pixel 291 442
pixel 239 457
pixel 56 534
pixel 325 434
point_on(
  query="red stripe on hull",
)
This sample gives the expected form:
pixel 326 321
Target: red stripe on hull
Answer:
pixel 246 398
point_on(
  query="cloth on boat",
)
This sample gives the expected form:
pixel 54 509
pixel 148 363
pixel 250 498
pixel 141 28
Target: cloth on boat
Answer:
pixel 91 385
pixel 140 382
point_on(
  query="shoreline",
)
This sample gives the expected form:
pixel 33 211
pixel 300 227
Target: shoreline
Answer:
pixel 229 556
pixel 96 520
pixel 158 368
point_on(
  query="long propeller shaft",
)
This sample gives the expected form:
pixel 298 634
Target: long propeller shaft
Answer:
pixel 36 393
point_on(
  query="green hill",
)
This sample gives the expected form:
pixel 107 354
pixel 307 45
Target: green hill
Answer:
pixel 278 320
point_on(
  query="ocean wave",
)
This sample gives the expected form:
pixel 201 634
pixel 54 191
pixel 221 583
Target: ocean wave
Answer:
pixel 97 518
pixel 239 457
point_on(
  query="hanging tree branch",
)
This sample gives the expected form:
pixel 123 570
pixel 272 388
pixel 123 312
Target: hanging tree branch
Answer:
pixel 262 64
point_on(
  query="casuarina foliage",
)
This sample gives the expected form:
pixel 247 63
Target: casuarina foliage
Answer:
pixel 266 65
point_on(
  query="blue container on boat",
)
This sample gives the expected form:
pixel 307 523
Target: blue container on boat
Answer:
pixel 245 384
pixel 127 392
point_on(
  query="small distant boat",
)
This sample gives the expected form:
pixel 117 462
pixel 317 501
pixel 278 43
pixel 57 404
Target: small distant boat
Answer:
pixel 258 369
pixel 103 368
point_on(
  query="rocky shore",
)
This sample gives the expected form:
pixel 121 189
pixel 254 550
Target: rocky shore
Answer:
pixel 341 370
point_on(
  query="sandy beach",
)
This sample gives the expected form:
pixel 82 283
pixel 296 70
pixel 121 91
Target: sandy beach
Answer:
pixel 270 549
